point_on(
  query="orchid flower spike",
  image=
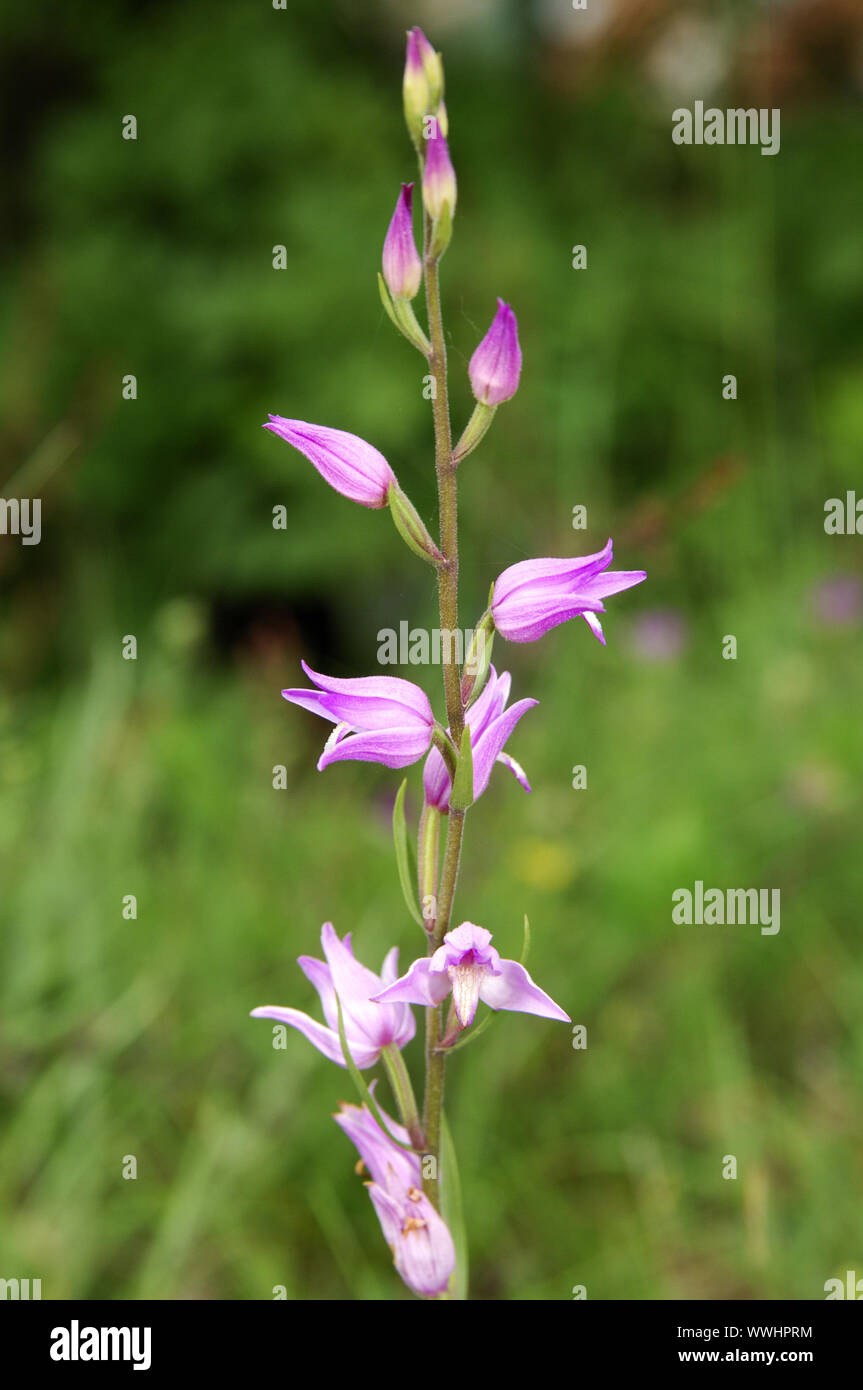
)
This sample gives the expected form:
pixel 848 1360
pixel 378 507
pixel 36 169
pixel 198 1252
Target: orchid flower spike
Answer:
pixel 495 367
pixel 535 595
pixel 368 1027
pixel 469 967
pixel 422 1247
pixel 354 468
pixel 378 719
pixel 490 724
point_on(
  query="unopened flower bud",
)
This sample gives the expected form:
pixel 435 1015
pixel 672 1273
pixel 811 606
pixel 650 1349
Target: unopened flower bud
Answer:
pixel 439 186
pixel 402 266
pixel 422 85
pixel 495 367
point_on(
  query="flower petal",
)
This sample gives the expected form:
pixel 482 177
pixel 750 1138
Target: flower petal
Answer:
pixel 418 986
pixel 391 747
pixel 322 1038
pixel 568 568
pixel 490 743
pixel 513 989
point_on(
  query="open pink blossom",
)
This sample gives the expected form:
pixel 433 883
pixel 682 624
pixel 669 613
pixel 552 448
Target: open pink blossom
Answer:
pixel 422 1247
pixel 490 724
pixel 368 1028
pixel 469 967
pixel 535 595
pixel 378 719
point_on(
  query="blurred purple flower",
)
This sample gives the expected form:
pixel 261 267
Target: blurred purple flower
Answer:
pixel 378 719
pixel 469 967
pixel 368 1027
pixel 535 595
pixel 422 1247
pixel 659 635
pixel 838 601
pixel 495 367
pixel 490 724
pixel 354 468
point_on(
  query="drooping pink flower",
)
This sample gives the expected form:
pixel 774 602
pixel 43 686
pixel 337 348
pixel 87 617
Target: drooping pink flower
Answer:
pixel 439 185
pixel 495 367
pixel 402 266
pixel 535 595
pixel 368 1028
pixel 354 468
pixel 490 724
pixel 469 967
pixel 420 1241
pixel 378 719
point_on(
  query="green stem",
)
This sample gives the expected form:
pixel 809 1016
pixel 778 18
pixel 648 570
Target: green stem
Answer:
pixel 448 503
pixel 447 577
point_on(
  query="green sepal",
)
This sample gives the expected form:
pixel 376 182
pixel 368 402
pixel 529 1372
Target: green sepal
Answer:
pixel 441 233
pixel 386 300
pixel 474 431
pixel 400 311
pixel 406 322
pixel 461 796
pixel 411 527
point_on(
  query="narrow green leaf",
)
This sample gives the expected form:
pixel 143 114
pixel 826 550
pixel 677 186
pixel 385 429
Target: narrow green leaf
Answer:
pixel 525 947
pixel 356 1076
pixel 405 856
pixel 452 1211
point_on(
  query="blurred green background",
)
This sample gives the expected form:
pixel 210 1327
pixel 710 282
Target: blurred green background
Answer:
pixel 259 127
